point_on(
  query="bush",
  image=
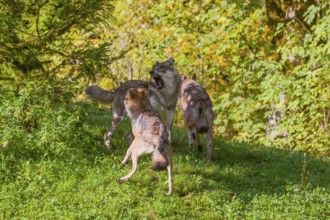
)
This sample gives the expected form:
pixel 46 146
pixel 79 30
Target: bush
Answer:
pixel 41 121
pixel 295 86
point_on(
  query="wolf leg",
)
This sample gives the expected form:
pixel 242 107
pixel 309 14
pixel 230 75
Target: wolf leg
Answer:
pixel 127 157
pixel 135 157
pixel 169 170
pixel 129 137
pixel 209 136
pixel 190 139
pixel 167 118
pixel 136 149
pixel 115 122
pixel 198 142
pixel 170 180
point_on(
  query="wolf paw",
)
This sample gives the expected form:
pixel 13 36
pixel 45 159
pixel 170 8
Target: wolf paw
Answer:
pixel 121 180
pixel 123 163
pixel 107 143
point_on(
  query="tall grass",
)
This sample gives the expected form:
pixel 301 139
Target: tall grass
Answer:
pixel 80 181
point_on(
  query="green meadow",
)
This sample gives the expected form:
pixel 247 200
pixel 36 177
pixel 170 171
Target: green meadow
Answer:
pixel 81 181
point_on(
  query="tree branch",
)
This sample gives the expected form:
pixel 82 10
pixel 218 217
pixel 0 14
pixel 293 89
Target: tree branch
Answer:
pixel 7 78
pixel 316 67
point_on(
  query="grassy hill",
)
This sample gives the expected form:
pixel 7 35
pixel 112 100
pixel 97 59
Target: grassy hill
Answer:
pixel 70 181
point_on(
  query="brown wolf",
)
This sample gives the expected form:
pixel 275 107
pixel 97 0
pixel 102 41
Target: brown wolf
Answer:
pixel 164 89
pixel 196 107
pixel 150 135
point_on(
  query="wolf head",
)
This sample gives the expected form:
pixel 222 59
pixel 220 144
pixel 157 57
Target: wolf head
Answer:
pixel 193 77
pixel 164 74
pixel 187 80
pixel 136 99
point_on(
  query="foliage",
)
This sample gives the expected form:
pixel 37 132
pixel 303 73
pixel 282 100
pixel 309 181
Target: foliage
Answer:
pixel 52 41
pixel 46 55
pixel 300 74
pixel 247 55
pixel 35 125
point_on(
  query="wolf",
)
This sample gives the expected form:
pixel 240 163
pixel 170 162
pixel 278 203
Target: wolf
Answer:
pixel 150 135
pixel 196 107
pixel 163 92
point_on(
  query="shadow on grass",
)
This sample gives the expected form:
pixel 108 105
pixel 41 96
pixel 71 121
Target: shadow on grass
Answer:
pixel 248 170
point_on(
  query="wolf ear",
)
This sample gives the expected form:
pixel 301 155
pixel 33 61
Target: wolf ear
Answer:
pixel 142 91
pixel 171 61
pixel 132 92
pixel 194 77
pixel 182 77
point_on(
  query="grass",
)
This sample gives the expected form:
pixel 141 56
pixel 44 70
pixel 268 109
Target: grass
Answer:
pixel 69 181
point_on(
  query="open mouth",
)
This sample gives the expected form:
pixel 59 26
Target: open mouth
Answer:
pixel 159 81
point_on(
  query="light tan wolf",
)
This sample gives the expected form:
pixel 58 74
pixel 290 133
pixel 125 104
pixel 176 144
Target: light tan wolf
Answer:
pixel 150 135
pixel 164 89
pixel 196 107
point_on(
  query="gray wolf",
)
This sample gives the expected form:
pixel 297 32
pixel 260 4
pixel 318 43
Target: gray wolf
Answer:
pixel 163 92
pixel 150 135
pixel 196 107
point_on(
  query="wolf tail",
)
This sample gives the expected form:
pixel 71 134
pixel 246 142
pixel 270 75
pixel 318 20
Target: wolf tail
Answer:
pixel 99 95
pixel 159 158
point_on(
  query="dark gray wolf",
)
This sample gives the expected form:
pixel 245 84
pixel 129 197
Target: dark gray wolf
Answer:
pixel 196 107
pixel 163 92
pixel 150 135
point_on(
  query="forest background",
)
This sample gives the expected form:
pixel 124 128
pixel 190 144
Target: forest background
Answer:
pixel 258 60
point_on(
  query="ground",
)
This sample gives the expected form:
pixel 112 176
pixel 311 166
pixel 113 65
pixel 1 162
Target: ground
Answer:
pixel 242 181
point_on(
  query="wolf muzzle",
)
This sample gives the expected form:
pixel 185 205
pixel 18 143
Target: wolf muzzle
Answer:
pixel 157 78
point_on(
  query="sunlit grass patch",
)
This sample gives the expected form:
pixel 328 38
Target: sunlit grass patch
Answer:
pixel 69 181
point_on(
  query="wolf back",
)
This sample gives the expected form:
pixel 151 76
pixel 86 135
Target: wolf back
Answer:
pixel 196 107
pixel 197 102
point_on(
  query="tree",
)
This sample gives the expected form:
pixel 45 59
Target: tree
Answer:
pixel 48 50
pixel 52 40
